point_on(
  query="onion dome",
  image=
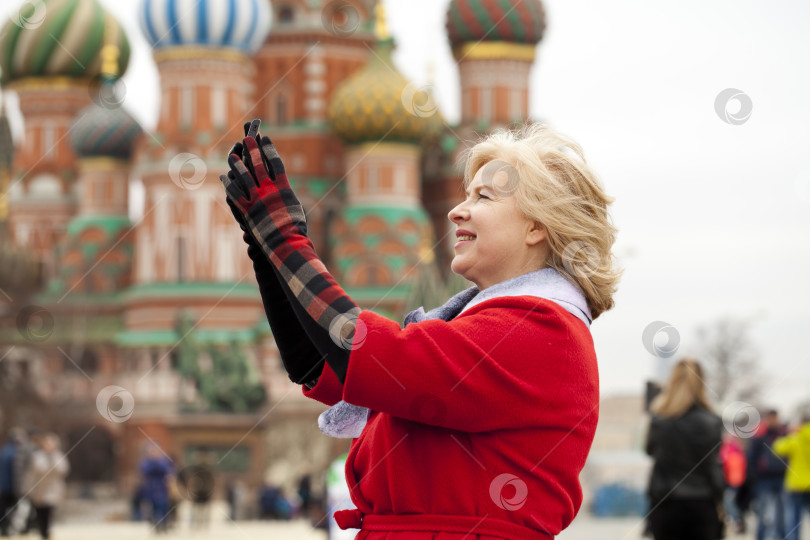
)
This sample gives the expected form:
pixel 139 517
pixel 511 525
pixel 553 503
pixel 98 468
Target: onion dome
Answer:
pixel 60 38
pixel 378 102
pixel 240 24
pixel 369 105
pixel 100 131
pixel 511 21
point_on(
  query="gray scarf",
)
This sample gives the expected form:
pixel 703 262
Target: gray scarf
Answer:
pixel 344 420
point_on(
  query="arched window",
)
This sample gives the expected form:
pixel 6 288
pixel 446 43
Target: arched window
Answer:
pixel 88 361
pixel 45 185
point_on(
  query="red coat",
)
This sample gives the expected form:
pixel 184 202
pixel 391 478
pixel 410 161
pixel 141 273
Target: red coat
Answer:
pixel 484 421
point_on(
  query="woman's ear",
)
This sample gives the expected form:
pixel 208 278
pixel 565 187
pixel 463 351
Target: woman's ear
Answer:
pixel 536 234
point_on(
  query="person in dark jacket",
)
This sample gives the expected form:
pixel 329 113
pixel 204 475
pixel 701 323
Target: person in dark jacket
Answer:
pixel 156 471
pixel 11 476
pixel 767 473
pixel 686 483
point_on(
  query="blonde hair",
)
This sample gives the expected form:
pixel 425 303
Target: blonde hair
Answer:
pixel 684 390
pixel 557 188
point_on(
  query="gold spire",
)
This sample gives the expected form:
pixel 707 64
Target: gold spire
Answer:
pixel 110 51
pixel 380 26
pixel 109 61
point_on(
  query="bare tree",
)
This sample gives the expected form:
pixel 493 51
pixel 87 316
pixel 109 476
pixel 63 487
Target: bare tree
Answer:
pixel 731 360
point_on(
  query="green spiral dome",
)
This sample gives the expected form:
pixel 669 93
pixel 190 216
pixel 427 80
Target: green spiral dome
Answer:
pixel 108 132
pixel 62 38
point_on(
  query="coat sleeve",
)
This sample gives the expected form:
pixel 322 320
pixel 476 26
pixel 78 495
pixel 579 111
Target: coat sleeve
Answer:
pixel 785 446
pixel 501 364
pixel 328 390
pixel 652 437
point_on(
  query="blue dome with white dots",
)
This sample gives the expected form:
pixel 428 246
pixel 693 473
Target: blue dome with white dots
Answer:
pixel 241 24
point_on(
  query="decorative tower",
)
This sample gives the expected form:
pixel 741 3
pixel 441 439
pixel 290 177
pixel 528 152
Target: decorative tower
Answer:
pixel 54 63
pixel 188 253
pixel 383 234
pixel 494 44
pixel 94 257
pixel 314 46
pixel 96 254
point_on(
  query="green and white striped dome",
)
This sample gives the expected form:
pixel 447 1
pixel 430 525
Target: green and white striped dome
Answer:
pixel 62 38
pixel 102 131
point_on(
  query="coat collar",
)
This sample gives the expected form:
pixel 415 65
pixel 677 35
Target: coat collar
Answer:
pixel 544 283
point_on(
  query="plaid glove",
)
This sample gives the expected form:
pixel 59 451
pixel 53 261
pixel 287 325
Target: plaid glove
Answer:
pixel 261 194
pixel 300 357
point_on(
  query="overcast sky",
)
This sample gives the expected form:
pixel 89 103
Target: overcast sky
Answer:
pixel 713 217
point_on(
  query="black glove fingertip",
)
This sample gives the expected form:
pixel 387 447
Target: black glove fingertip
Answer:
pixel 236 149
pixel 254 128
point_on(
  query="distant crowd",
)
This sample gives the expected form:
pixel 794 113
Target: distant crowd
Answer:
pixel 163 486
pixel 33 472
pixel 769 474
pixel 708 474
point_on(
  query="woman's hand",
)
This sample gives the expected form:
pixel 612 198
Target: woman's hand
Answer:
pixel 258 189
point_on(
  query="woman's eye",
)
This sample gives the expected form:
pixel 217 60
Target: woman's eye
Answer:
pixel 482 196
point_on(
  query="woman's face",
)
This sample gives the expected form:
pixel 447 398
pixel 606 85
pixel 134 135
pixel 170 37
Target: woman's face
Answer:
pixel 504 243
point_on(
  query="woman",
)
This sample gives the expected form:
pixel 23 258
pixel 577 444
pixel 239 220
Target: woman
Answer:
pixel 476 418
pixel 46 481
pixel 687 481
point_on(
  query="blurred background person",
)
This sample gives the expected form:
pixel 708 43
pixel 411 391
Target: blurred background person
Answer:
pixel 734 464
pixel 12 467
pixel 273 504
pixel 45 481
pixel 305 495
pixel 156 471
pixel 137 502
pixel 239 494
pixel 766 473
pixel 796 448
pixel 687 482
pixel 197 483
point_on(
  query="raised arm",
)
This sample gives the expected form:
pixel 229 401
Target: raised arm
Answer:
pixel 261 197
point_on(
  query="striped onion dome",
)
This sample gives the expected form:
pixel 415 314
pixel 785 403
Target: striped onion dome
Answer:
pixel 60 38
pixel 369 106
pixel 100 131
pixel 242 24
pixel 512 21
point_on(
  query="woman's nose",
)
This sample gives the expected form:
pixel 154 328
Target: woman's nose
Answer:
pixel 459 213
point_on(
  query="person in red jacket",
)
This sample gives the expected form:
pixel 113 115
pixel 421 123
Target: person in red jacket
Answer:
pixel 475 419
